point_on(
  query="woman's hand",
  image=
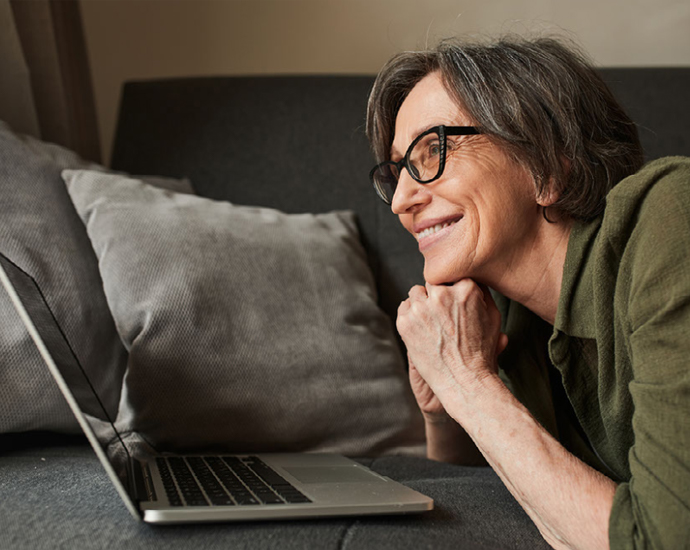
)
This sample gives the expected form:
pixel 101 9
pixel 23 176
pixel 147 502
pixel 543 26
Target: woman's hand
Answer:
pixel 427 401
pixel 453 338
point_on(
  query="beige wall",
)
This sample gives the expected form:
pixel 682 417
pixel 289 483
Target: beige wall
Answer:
pixel 137 39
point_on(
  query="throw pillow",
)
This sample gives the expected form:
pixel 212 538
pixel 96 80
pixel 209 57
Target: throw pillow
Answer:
pixel 248 329
pixel 41 232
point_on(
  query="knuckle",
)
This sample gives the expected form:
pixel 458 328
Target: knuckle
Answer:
pixel 417 291
pixel 467 290
pixel 401 324
pixel 467 285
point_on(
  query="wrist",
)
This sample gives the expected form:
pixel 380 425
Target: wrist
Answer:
pixel 476 395
pixel 437 419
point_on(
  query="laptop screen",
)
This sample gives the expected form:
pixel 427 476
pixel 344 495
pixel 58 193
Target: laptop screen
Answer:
pixel 64 357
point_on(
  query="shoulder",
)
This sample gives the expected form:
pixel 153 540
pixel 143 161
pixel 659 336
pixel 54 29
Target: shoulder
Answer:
pixel 658 187
pixel 651 204
pixel 646 226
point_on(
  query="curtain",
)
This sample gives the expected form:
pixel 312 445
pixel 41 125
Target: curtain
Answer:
pixel 46 89
pixel 16 97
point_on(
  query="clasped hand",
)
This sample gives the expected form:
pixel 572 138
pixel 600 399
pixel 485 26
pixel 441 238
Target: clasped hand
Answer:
pixel 453 338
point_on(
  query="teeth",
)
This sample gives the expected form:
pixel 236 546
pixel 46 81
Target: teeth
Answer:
pixel 431 230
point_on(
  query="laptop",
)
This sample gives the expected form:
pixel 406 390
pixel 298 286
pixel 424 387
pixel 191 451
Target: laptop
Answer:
pixel 166 488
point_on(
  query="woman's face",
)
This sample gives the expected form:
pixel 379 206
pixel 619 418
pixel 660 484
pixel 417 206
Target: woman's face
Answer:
pixel 481 216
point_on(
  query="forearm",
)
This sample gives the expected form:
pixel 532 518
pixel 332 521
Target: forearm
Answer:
pixel 447 441
pixel 569 502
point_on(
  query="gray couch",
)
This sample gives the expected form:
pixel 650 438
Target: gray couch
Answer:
pixel 295 144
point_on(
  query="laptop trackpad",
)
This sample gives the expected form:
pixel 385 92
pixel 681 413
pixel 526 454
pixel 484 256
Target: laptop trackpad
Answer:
pixel 332 474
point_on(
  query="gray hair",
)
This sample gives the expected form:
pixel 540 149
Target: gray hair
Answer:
pixel 540 100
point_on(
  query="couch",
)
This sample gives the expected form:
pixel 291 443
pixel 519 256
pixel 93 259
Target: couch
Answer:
pixel 296 144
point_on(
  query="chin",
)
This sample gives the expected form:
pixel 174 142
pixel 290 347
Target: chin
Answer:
pixel 439 277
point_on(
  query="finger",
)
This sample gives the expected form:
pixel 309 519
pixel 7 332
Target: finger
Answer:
pixel 502 343
pixel 403 307
pixel 486 295
pixel 417 292
pixel 437 291
pixel 467 287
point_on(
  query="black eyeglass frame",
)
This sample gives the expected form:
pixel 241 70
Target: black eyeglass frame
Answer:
pixel 442 132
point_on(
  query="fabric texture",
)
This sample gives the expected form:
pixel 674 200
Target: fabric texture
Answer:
pixel 41 232
pixel 472 510
pixel 620 349
pixel 248 329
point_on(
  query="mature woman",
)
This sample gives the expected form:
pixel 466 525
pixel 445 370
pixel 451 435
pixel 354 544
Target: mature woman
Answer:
pixel 516 170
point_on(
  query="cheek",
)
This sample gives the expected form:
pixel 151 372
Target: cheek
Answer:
pixel 507 198
pixel 510 225
pixel 498 220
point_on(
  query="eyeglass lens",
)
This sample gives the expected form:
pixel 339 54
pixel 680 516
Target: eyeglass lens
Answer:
pixel 423 162
pixel 424 159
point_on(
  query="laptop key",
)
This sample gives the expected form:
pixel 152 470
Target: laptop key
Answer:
pixel 293 496
pixel 246 499
pixel 212 487
pixel 168 484
pixel 263 492
pixel 301 499
pixel 266 473
pixel 271 499
pixel 189 487
pixel 282 486
pixel 232 484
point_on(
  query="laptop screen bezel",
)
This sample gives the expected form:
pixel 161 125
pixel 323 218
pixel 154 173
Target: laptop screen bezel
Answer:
pixel 7 265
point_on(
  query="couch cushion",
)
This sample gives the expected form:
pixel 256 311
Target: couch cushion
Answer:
pixel 41 232
pixel 294 143
pixel 248 329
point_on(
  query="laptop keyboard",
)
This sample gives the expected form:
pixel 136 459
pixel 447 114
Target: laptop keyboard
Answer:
pixel 224 481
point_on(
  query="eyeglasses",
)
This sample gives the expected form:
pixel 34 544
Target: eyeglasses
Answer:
pixel 425 160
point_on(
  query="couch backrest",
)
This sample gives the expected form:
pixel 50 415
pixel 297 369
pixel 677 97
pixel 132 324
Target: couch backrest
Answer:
pixel 297 143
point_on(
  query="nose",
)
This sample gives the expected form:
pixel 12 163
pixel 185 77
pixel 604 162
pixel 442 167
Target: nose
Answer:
pixel 409 195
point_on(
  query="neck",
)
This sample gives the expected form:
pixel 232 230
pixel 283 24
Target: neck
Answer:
pixel 534 279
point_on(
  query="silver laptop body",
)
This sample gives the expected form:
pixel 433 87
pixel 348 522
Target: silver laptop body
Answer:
pixel 167 488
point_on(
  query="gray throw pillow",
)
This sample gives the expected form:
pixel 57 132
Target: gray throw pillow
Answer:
pixel 248 329
pixel 41 232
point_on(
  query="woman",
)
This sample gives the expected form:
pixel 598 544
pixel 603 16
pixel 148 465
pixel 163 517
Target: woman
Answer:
pixel 516 170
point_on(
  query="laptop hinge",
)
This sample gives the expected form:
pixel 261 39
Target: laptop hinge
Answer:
pixel 141 486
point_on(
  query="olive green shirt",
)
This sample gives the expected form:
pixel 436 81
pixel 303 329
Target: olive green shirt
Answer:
pixel 611 378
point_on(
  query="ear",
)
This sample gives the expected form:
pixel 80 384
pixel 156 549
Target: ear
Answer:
pixel 548 196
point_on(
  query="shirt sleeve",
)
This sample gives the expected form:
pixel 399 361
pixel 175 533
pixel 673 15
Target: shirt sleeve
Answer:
pixel 652 509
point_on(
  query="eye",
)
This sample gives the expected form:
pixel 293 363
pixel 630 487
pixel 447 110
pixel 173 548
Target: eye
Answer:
pixel 425 156
pixel 428 150
pixel 434 148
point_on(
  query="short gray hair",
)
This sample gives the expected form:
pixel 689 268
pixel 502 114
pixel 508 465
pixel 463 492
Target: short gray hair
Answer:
pixel 541 100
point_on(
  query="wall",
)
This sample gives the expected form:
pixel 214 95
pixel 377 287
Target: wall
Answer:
pixel 138 39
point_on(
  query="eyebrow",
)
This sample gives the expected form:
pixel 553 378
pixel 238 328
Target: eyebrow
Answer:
pixel 392 152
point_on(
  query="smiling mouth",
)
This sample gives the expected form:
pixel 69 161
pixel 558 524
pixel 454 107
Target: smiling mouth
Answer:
pixel 436 228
